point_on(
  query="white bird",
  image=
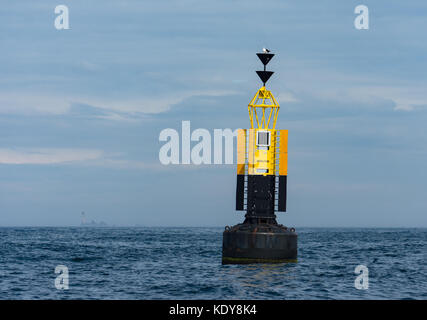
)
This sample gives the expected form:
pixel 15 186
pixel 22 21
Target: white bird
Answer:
pixel 265 50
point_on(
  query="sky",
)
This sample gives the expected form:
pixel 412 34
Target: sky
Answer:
pixel 81 109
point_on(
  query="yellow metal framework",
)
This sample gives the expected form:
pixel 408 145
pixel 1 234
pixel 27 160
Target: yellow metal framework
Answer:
pixel 264 100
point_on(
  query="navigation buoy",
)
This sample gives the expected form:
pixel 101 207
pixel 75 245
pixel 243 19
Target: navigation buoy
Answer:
pixel 262 170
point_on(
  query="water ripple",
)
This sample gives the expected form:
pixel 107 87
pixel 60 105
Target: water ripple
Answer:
pixel 185 263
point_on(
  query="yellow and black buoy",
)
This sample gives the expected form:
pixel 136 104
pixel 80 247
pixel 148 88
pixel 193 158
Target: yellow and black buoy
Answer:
pixel 262 169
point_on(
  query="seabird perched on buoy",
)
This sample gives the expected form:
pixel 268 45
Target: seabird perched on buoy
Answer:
pixel 265 50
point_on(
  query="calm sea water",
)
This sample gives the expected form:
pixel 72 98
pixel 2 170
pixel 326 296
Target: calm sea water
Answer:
pixel 185 263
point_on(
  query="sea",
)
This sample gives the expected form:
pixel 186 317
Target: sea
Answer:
pixel 185 263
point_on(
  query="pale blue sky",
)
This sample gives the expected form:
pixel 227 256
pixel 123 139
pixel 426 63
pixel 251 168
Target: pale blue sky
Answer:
pixel 81 109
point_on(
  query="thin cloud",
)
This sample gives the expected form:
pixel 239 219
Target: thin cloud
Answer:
pixel 284 97
pixel 85 157
pixel 32 103
pixel 45 156
pixel 26 103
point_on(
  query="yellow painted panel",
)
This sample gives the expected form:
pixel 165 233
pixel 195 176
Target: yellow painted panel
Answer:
pixel 283 149
pixel 241 151
pixel 251 151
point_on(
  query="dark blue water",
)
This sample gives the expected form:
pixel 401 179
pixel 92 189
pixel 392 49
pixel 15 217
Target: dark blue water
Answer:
pixel 185 263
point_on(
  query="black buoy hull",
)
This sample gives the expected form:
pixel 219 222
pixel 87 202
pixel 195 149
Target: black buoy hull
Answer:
pixel 246 243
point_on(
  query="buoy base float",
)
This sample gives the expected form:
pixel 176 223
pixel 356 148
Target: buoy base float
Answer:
pixel 259 243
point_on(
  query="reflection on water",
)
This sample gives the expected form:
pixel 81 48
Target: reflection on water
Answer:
pixel 259 275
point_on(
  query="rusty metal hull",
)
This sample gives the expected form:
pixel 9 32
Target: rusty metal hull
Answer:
pixel 259 243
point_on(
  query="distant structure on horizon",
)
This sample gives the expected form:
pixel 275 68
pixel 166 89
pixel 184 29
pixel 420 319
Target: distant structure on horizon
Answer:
pixel 92 223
